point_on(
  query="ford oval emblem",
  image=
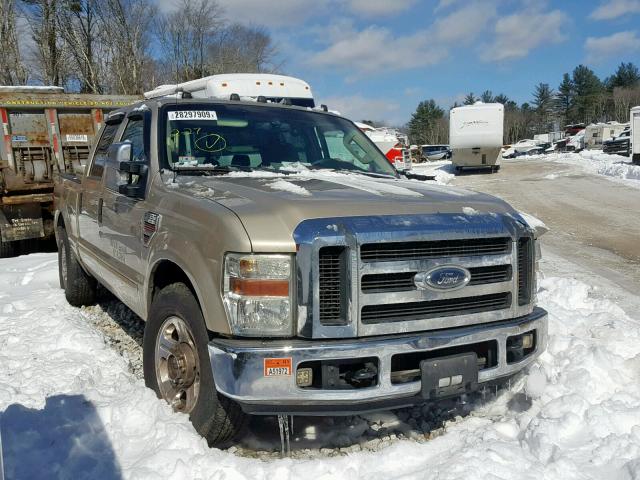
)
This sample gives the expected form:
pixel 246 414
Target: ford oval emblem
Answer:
pixel 447 277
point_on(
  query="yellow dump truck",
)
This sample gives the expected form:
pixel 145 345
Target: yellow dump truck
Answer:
pixel 45 132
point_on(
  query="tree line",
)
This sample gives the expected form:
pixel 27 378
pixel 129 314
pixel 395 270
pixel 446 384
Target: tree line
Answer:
pixel 124 46
pixel 581 97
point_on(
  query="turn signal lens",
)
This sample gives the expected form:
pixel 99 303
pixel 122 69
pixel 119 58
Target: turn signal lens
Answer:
pixel 259 288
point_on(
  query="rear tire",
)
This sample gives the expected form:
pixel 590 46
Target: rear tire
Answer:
pixel 175 334
pixel 79 287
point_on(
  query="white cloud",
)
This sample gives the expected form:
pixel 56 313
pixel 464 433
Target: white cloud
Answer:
pixel 379 7
pixel 358 107
pixel 376 49
pixel 443 4
pixel 276 13
pixel 615 8
pixel 598 49
pixel 464 24
pixel 517 34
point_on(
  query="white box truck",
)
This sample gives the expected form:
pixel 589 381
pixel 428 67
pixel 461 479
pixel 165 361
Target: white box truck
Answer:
pixel 634 118
pixel 475 135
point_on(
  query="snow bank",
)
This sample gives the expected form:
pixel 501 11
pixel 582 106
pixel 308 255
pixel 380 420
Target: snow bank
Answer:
pixel 594 161
pixel 442 169
pixel 71 408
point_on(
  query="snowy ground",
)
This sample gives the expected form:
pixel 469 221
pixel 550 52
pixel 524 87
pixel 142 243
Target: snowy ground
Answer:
pixel 73 405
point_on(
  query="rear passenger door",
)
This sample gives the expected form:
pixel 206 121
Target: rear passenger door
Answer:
pixel 90 208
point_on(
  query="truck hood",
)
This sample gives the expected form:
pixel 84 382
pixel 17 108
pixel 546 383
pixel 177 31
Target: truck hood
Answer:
pixel 271 206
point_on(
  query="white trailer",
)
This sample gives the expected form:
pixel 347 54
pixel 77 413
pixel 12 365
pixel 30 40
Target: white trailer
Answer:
pixel 597 133
pixel 475 135
pixel 634 118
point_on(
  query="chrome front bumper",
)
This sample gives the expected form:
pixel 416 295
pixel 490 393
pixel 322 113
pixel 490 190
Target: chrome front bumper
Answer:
pixel 238 367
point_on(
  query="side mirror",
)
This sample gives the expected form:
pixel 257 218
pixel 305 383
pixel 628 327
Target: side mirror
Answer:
pixel 122 174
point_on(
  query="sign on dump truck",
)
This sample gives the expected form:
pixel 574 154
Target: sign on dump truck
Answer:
pixel 475 135
pixel 45 132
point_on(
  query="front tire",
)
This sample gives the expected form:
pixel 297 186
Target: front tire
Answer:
pixel 79 287
pixel 177 366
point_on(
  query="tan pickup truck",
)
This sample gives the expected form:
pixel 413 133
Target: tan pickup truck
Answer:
pixel 283 266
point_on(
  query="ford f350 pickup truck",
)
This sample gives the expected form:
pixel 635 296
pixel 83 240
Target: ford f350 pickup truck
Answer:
pixel 283 266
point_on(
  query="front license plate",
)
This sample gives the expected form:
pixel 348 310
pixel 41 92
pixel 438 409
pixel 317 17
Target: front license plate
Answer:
pixel 449 376
pixel 277 367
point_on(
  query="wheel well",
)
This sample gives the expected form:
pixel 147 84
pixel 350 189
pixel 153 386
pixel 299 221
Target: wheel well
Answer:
pixel 165 273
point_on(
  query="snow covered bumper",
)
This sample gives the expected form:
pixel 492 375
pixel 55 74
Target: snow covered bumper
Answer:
pixel 337 377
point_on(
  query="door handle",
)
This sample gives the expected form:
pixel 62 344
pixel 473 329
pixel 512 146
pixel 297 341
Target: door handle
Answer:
pixel 100 202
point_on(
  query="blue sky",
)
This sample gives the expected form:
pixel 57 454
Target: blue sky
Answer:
pixel 376 59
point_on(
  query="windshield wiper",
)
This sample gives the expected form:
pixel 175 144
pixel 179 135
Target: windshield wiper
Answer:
pixel 212 170
pixel 417 176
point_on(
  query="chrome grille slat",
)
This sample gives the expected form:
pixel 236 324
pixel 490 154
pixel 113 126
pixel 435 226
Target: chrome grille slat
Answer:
pixel 394 251
pixel 403 281
pixel 330 282
pixel 437 308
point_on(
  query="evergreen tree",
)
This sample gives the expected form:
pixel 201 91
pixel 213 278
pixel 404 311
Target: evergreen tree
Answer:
pixel 470 99
pixel 589 100
pixel 564 99
pixel 543 104
pixel 487 96
pixel 425 125
pixel 506 101
pixel 626 76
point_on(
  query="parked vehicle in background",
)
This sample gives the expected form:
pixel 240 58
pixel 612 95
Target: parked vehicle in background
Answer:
pixel 572 129
pixel 46 132
pixel 634 118
pixel 551 137
pixel 596 133
pixel 276 275
pixel 576 142
pixel 391 142
pixel 476 135
pixel 527 147
pixel 619 145
pixel 436 152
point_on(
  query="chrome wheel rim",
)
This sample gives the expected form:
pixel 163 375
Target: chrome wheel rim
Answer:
pixel 177 365
pixel 63 264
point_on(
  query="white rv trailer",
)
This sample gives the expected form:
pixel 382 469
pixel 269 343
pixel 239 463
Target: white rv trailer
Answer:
pixel 596 133
pixel 247 86
pixel 475 135
pixel 634 119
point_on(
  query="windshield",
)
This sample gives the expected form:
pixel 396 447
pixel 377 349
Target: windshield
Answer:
pixel 206 136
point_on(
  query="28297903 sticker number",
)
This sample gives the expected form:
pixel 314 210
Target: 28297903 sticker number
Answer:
pixel 192 115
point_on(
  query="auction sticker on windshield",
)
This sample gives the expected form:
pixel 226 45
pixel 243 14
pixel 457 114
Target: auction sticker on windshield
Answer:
pixel 193 115
pixel 277 367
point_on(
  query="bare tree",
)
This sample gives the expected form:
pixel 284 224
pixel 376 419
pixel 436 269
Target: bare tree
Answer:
pixel 623 99
pixel 130 24
pixel 12 70
pixel 186 34
pixel 80 29
pixel 243 49
pixel 50 61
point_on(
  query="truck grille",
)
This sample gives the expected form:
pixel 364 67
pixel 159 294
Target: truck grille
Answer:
pixel 525 270
pixel 399 312
pixel 400 282
pixel 331 276
pixel 395 251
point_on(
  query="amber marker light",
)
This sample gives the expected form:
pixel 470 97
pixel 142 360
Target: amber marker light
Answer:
pixel 251 287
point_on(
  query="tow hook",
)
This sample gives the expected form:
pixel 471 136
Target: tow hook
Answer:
pixel 362 377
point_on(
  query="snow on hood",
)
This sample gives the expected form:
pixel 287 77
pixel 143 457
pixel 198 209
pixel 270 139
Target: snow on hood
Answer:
pixel 271 205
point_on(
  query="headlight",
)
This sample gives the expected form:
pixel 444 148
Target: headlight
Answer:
pixel 257 294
